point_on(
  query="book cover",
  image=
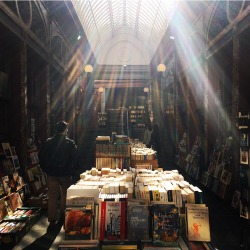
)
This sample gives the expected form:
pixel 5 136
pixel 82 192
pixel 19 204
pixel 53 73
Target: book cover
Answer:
pixel 218 169
pixel 78 223
pixel 244 176
pixel 205 178
pixel 14 201
pixel 112 220
pixel 8 167
pixel 15 161
pixel 138 223
pixel 15 182
pixel 244 210
pixel 211 168
pixel 3 209
pixel 243 138
pixel 226 176
pixel 244 156
pixel 198 227
pixel 2 191
pixel 7 149
pixel 34 172
pixel 165 224
pixel 6 181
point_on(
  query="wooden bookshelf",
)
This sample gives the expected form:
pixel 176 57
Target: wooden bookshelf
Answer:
pixel 112 155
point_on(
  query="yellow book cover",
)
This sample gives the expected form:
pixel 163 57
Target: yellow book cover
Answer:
pixel 198 227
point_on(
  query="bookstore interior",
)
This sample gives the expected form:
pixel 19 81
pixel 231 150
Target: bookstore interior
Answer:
pixel 176 71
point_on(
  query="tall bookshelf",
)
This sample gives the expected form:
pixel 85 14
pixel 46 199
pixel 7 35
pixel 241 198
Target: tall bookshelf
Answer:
pixel 241 197
pixel 137 121
pixel 117 121
pixel 244 166
pixel 191 163
pixel 136 116
pixel 218 176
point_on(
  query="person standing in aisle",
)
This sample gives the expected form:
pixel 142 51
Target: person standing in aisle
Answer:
pixel 58 158
pixel 147 135
pixel 155 140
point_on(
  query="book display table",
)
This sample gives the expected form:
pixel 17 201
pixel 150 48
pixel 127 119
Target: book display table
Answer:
pixel 138 209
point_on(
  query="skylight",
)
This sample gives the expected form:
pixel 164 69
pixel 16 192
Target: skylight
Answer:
pixel 105 20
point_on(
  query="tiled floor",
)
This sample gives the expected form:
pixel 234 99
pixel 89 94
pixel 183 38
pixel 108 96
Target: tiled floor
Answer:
pixel 39 239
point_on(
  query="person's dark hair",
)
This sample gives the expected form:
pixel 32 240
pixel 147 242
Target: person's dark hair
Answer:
pixel 61 127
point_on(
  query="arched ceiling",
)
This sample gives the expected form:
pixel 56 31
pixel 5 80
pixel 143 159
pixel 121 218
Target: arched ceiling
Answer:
pixel 106 20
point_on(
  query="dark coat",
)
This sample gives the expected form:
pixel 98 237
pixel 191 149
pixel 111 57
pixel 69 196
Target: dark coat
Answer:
pixel 58 156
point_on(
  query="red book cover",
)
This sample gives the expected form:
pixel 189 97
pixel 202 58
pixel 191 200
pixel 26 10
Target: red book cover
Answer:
pixel 102 220
pixel 113 220
pixel 123 220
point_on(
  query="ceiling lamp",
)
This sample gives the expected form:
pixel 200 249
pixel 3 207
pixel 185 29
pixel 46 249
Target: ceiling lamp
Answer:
pixel 161 67
pixel 88 68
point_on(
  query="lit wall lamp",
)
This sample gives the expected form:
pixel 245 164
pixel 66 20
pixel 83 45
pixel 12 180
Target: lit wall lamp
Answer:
pixel 146 90
pixel 100 89
pixel 88 68
pixel 161 67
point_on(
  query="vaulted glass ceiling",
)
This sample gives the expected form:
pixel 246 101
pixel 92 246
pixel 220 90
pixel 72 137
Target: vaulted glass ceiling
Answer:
pixel 143 20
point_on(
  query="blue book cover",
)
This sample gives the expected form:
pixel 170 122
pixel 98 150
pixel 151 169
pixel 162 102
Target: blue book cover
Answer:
pixel 165 224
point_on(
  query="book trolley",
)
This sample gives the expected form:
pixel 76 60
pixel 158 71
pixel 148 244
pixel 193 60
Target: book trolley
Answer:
pixel 120 207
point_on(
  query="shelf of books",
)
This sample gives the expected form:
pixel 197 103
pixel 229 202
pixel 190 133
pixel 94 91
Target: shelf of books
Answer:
pixel 35 177
pixel 102 119
pixel 15 219
pixel 182 151
pixel 136 116
pixel 134 209
pixel 113 154
pixel 244 192
pixel 218 175
pixel 191 163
